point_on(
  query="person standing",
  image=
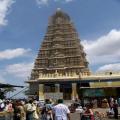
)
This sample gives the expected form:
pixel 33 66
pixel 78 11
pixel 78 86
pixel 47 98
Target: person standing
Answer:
pixel 16 115
pixel 9 110
pixel 22 110
pixel 111 103
pixel 115 109
pixel 30 109
pixel 61 111
pixel 88 113
pixel 36 111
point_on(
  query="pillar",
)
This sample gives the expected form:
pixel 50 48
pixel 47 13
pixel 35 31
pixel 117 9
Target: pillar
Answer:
pixel 41 92
pixel 74 91
pixel 57 87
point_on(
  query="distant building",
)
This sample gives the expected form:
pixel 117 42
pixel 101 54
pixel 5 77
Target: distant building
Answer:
pixel 61 68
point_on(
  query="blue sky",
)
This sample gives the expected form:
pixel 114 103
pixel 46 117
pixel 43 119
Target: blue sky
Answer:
pixel 23 25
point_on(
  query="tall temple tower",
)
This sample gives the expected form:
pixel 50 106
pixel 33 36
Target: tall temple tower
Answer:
pixel 60 55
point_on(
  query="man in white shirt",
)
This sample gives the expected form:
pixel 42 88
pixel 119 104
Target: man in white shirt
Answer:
pixel 61 111
pixel 30 109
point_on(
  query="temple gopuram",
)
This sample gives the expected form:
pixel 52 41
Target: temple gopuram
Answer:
pixel 61 69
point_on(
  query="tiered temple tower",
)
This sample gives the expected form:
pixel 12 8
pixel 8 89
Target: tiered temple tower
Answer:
pixel 61 53
pixel 61 50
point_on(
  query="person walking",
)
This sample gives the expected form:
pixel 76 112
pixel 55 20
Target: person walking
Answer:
pixel 46 113
pixel 61 111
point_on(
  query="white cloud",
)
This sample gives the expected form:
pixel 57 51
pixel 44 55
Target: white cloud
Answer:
pixel 2 80
pixel 68 0
pixel 104 50
pixel 2 76
pixel 42 2
pixel 63 1
pixel 21 70
pixel 4 9
pixel 13 53
pixel 45 2
pixel 110 67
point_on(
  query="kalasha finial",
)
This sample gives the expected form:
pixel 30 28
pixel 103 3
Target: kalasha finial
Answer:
pixel 58 9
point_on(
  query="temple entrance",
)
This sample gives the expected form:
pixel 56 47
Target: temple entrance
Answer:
pixel 66 89
pixel 49 88
pixel 80 89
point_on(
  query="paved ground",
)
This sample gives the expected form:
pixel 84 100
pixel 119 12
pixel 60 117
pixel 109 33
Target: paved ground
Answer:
pixel 76 116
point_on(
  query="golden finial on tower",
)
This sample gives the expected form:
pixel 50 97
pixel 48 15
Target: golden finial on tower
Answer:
pixel 58 9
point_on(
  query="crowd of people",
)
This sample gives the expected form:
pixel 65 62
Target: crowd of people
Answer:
pixel 36 110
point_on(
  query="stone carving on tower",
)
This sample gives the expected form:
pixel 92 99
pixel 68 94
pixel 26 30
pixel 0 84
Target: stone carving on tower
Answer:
pixel 61 52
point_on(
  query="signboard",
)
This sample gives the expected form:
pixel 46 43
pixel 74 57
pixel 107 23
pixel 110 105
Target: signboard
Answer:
pixel 93 92
pixel 54 96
